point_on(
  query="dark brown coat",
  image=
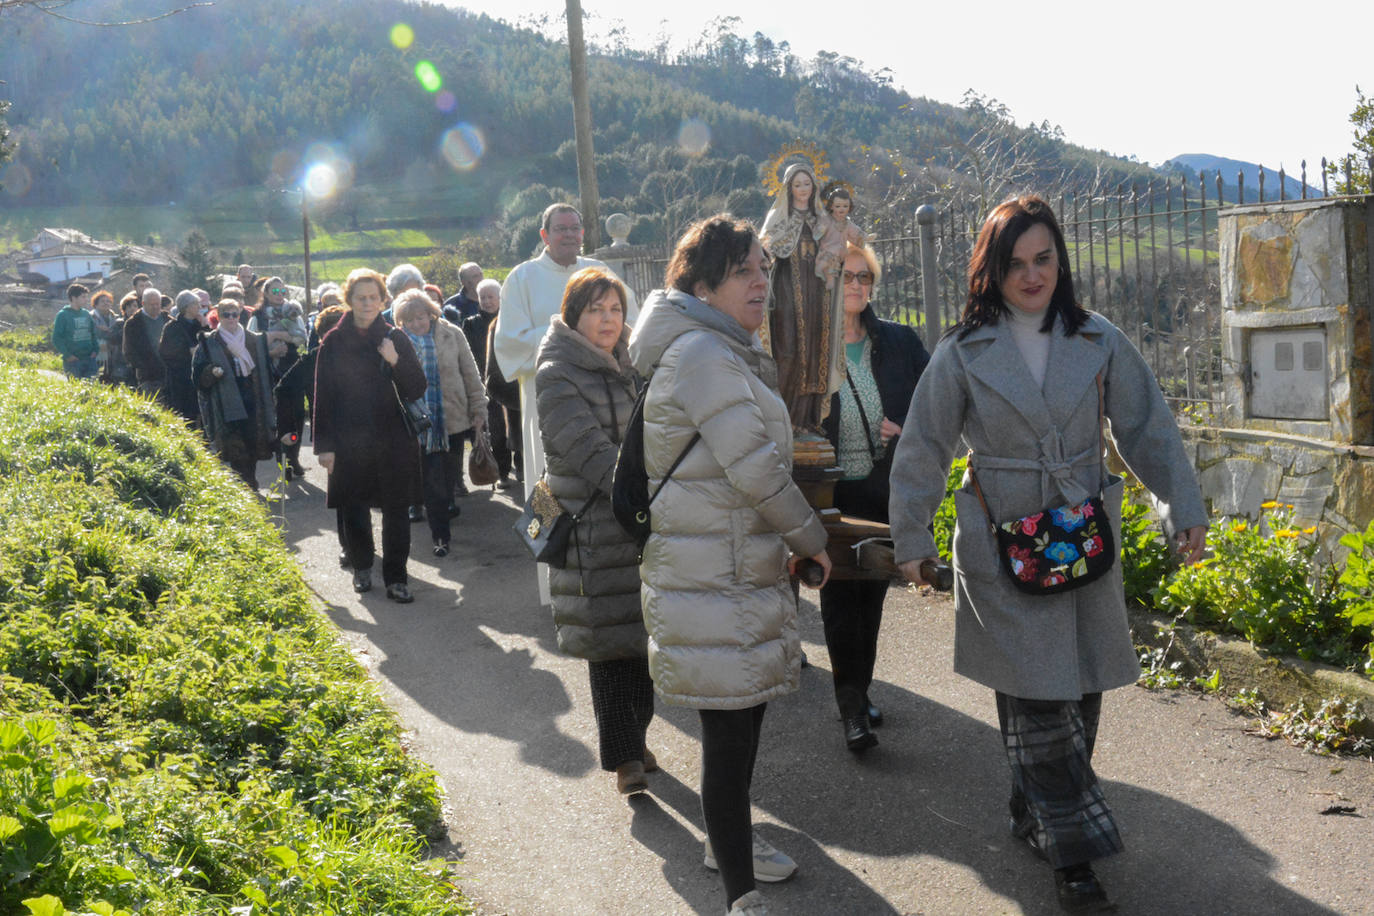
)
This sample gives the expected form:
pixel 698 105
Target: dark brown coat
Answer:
pixel 357 417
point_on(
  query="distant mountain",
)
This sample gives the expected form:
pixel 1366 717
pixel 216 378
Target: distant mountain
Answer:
pixel 1208 165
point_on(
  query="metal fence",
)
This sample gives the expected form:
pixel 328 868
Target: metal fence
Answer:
pixel 1146 257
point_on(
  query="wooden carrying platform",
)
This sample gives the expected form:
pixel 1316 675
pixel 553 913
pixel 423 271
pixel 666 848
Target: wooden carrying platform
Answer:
pixel 873 557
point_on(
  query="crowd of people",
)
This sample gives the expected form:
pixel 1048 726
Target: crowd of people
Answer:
pixel 549 369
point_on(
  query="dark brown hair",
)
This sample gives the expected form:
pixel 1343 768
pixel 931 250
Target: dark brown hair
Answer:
pixel 76 291
pixel 991 258
pixel 326 319
pixel 707 251
pixel 586 286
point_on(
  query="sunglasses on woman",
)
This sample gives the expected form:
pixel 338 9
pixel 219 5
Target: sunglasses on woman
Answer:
pixel 865 277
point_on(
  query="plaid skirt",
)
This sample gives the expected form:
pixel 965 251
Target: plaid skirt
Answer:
pixel 1055 795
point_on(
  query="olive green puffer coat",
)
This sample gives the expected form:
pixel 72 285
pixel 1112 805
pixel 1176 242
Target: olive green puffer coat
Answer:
pixel 585 396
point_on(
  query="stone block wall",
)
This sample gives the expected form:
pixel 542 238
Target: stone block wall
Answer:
pixel 1300 264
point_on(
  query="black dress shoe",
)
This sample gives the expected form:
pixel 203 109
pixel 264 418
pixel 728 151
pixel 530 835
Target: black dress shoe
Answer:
pixel 875 716
pixel 1080 891
pixel 343 561
pixel 362 581
pixel 857 735
pixel 1024 831
pixel 417 514
pixel 400 593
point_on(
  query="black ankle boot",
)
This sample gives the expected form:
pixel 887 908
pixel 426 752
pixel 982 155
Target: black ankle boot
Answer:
pixel 1080 891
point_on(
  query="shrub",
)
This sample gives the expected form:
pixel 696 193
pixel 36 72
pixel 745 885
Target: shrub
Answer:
pixel 1261 583
pixel 177 716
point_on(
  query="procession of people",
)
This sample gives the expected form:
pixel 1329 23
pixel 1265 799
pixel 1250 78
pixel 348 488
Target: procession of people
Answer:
pixel 762 346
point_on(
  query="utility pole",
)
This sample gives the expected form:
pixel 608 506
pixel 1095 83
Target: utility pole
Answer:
pixel 582 126
pixel 305 234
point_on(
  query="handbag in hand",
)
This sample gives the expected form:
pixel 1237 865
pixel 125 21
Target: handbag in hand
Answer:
pixel 1055 550
pixel 483 470
pixel 546 527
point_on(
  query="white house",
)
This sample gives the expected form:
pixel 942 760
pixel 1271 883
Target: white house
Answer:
pixel 63 255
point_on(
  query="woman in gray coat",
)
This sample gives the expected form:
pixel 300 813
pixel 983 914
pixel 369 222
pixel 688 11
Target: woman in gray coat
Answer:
pixel 1022 380
pixel 721 615
pixel 585 390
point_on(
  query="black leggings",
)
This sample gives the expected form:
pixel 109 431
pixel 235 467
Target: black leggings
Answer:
pixel 729 744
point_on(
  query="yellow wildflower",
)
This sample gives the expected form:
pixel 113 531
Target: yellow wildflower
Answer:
pixel 1271 504
pixel 1312 530
pixel 1285 533
pixel 1238 527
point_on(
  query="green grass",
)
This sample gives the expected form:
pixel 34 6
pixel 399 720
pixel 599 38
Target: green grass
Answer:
pixel 180 729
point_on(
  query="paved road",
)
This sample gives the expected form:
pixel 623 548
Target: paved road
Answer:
pixel 1215 822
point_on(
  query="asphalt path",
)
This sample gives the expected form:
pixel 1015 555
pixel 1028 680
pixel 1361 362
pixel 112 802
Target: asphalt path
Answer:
pixel 1215 821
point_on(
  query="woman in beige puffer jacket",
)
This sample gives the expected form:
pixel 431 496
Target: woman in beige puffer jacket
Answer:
pixel 718 605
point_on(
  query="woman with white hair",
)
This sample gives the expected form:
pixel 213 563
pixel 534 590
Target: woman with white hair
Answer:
pixel 455 398
pixel 178 342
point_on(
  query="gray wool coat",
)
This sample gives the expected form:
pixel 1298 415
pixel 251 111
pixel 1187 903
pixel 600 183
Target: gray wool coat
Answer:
pixel 720 611
pixel 585 396
pixel 1034 449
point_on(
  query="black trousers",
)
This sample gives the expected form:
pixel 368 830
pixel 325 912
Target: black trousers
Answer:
pixel 623 702
pixel 500 436
pixel 851 613
pixel 438 485
pixel 729 745
pixel 359 545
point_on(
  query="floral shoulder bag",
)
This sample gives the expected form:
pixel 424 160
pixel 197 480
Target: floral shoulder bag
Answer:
pixel 1056 550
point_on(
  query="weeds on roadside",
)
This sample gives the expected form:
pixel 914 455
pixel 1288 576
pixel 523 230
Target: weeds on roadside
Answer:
pixel 1329 729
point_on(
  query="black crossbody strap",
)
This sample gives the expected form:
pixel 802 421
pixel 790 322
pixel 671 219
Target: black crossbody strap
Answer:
pixel 681 455
pixel 863 415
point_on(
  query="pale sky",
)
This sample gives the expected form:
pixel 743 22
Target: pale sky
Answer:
pixel 1258 81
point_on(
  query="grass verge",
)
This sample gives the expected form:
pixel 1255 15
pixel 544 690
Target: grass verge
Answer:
pixel 180 731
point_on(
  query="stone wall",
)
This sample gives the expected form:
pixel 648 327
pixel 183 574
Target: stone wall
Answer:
pixel 1304 266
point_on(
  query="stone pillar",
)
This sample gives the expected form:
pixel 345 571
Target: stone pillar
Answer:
pixel 1296 423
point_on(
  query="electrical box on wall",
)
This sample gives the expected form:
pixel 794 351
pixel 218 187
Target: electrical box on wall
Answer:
pixel 1288 379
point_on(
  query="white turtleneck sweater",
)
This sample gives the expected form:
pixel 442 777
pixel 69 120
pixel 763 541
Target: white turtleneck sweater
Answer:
pixel 1034 346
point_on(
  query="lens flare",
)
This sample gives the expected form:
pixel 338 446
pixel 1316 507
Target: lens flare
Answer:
pixel 327 170
pixel 320 180
pixel 445 101
pixel 402 35
pixel 694 137
pixel 428 75
pixel 463 147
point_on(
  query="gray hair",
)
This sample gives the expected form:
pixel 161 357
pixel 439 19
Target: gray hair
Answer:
pixel 185 299
pixel 151 293
pixel 469 266
pixel 411 301
pixel 488 283
pixel 401 276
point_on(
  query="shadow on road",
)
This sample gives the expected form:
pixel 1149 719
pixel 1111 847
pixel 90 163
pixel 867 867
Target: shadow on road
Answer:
pixel 476 652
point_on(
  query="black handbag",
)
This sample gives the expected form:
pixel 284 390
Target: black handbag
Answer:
pixel 546 528
pixel 1055 550
pixel 630 496
pixel 413 413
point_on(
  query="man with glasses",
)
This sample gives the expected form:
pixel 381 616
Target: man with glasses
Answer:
pixel 531 296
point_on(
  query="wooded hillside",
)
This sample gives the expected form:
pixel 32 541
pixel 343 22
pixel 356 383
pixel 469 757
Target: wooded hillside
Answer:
pixel 200 106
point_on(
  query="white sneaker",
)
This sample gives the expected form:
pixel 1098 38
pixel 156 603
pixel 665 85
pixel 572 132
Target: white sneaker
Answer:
pixel 769 864
pixel 751 904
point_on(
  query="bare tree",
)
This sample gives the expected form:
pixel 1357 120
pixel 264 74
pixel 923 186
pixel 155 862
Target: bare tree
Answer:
pixel 58 9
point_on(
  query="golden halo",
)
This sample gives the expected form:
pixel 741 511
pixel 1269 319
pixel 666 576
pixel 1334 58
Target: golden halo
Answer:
pixel 815 157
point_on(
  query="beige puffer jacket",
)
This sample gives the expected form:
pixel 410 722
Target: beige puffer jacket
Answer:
pixel 465 397
pixel 719 609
